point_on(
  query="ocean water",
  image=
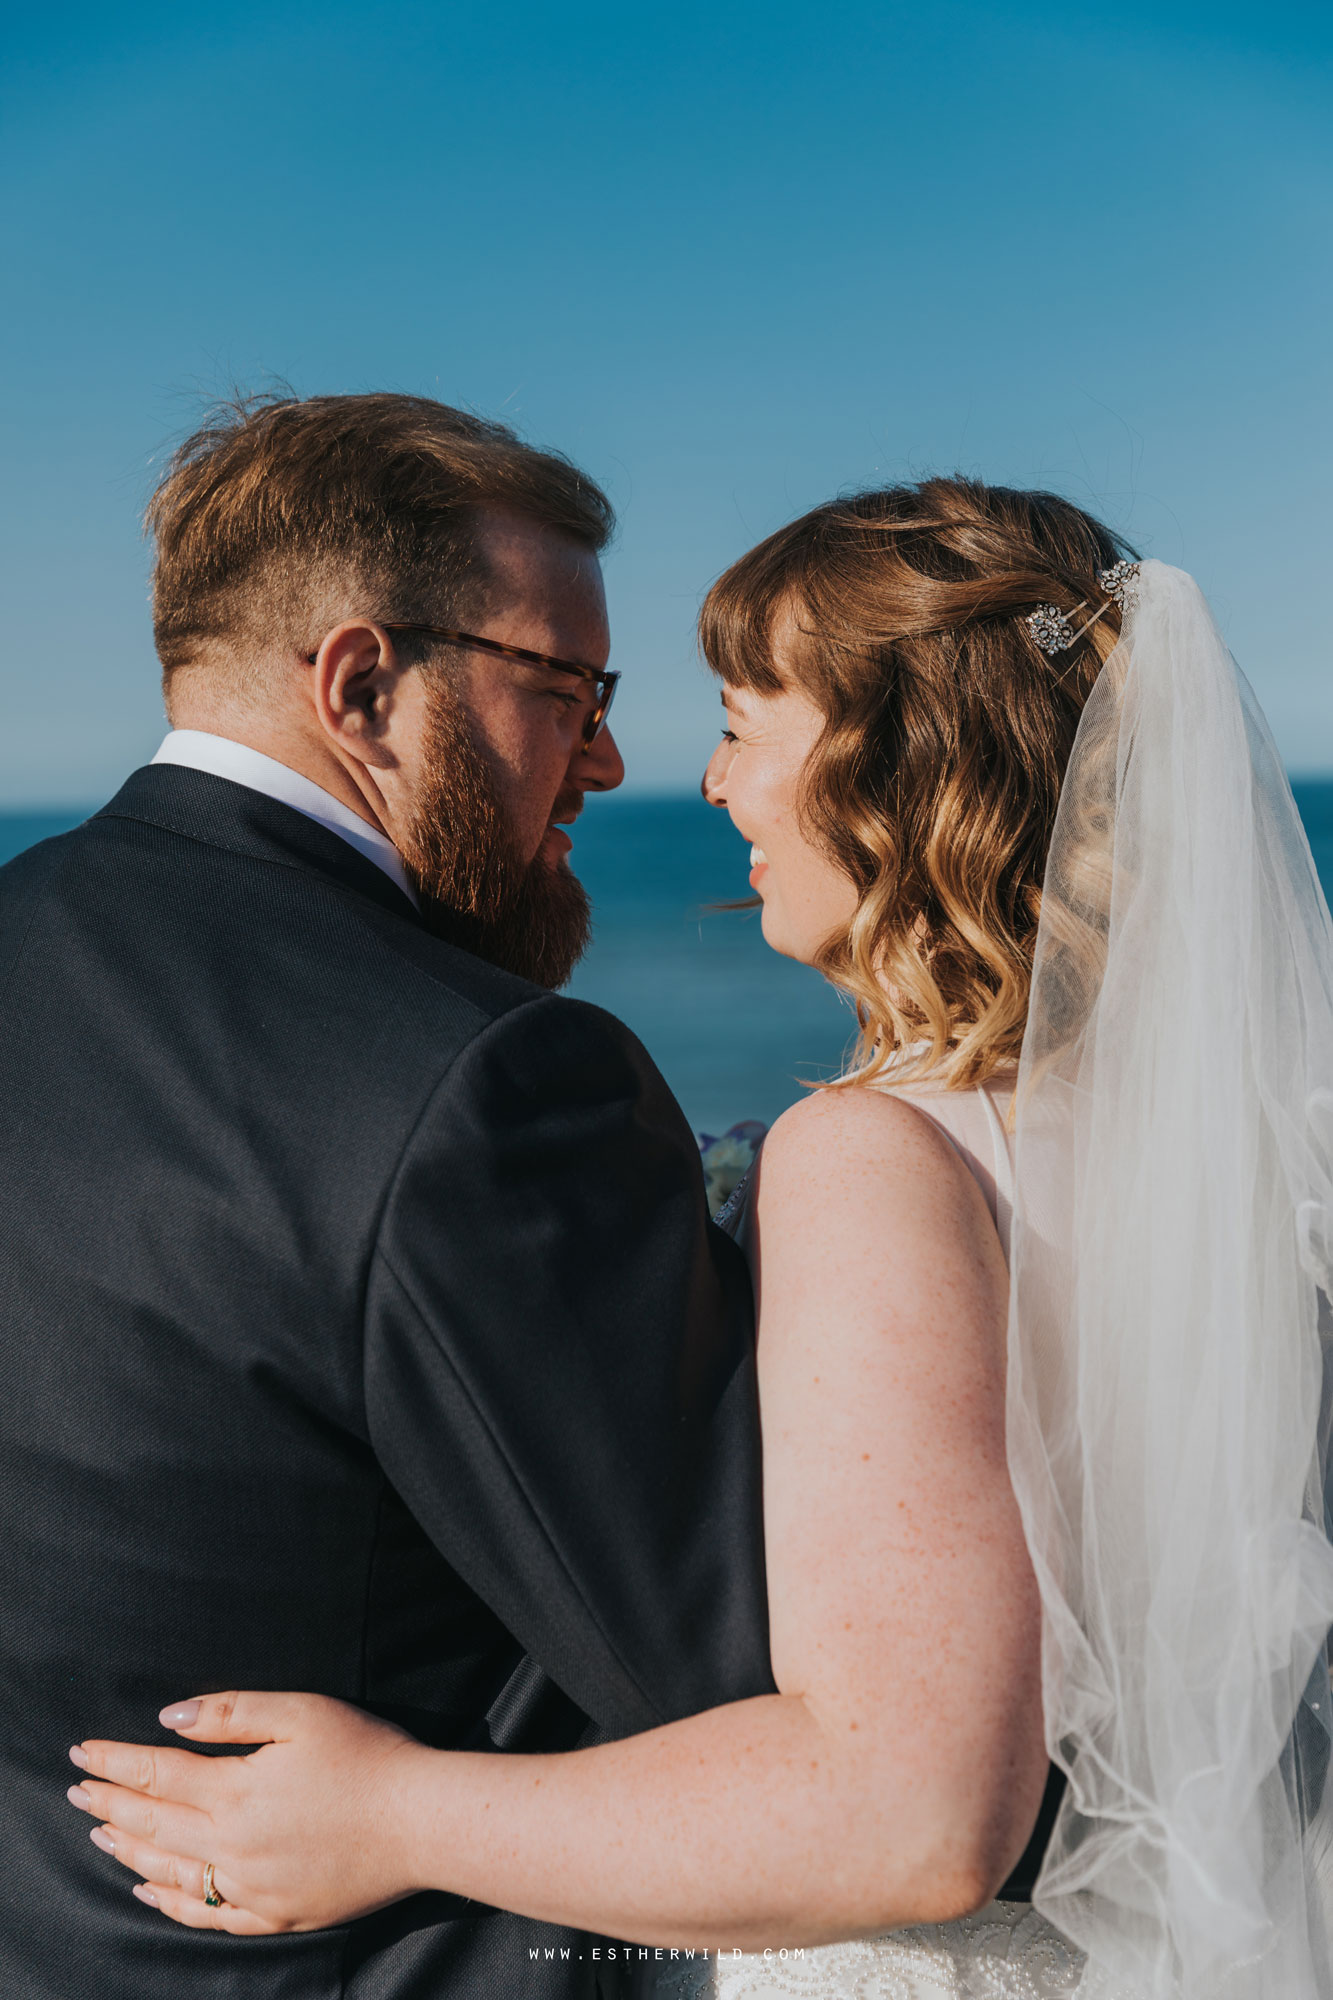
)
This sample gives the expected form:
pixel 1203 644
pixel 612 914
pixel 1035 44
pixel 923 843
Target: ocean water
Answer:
pixel 733 1027
pixel 730 1024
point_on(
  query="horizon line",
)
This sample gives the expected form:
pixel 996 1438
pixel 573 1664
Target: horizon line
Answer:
pixel 623 795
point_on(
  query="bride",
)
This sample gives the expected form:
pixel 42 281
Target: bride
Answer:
pixel 1040 1347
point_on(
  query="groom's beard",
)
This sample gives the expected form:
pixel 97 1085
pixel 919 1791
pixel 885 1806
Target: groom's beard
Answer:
pixel 476 889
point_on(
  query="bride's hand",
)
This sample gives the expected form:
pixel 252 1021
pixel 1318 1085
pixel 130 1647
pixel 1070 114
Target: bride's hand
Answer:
pixel 304 1832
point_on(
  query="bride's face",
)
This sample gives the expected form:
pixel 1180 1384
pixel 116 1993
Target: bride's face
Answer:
pixel 755 775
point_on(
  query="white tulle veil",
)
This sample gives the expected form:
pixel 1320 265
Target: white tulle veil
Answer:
pixel 1168 1387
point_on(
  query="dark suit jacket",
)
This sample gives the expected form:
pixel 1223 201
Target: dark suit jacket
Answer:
pixel 362 1330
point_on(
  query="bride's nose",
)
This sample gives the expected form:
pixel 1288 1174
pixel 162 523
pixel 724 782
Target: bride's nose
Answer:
pixel 714 772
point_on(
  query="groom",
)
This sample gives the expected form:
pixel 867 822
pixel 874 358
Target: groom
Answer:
pixel 363 1329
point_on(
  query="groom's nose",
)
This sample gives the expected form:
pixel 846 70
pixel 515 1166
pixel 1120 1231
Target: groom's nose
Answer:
pixel 599 768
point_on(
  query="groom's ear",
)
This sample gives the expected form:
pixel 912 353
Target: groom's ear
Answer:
pixel 353 686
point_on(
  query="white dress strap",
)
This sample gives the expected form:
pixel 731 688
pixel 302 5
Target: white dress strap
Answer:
pixel 975 1122
pixel 1002 1151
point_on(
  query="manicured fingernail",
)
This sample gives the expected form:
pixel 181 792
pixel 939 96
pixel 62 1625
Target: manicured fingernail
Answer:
pixel 78 1755
pixel 145 1895
pixel 101 1838
pixel 78 1797
pixel 183 1716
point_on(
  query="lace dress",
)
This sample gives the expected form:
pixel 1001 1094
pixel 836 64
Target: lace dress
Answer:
pixel 1004 1952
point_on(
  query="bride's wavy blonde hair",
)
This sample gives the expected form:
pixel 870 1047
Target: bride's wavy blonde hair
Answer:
pixel 902 615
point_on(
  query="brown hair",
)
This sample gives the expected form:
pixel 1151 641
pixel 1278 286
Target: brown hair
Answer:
pixel 947 732
pixel 278 507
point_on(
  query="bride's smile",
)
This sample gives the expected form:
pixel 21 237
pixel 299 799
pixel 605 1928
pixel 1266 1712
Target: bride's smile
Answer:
pixel 756 775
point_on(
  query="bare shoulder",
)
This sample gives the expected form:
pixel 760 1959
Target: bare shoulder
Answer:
pixel 858 1191
pixel 846 1110
pixel 851 1133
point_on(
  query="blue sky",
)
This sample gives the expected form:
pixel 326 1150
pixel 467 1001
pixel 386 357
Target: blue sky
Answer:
pixel 732 257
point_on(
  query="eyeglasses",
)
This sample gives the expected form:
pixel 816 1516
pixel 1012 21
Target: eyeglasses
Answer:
pixel 603 680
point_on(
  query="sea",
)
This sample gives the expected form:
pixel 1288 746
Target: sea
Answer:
pixel 738 1032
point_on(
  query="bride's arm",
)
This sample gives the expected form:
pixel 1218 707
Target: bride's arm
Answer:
pixel 896 1775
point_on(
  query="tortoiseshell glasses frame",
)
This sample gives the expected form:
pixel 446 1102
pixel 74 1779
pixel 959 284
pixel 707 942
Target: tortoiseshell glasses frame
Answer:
pixel 602 678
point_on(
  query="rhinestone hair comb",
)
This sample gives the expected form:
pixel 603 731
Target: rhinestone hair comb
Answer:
pixel 1053 630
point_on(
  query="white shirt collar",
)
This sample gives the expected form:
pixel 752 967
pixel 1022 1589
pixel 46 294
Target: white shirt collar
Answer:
pixel 200 750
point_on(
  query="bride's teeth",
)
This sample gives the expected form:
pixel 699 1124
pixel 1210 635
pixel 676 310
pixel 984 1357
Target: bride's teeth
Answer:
pixel 757 857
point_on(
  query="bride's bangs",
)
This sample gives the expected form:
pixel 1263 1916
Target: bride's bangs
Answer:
pixel 742 608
